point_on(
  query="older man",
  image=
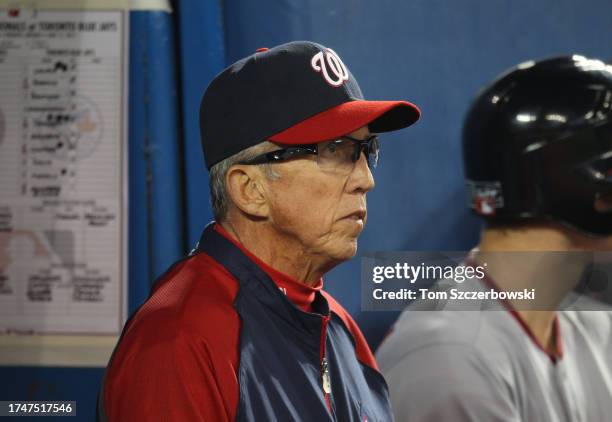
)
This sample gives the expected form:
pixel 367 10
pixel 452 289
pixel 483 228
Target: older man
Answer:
pixel 241 329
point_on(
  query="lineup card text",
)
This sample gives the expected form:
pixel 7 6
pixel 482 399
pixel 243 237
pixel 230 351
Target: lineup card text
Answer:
pixel 62 171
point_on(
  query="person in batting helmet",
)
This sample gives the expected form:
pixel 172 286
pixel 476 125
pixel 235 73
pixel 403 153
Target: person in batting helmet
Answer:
pixel 537 148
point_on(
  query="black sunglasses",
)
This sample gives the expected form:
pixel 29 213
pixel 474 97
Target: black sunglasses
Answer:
pixel 338 153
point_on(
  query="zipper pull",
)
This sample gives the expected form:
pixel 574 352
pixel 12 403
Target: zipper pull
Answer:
pixel 325 376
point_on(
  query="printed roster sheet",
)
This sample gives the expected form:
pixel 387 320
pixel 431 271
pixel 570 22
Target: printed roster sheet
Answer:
pixel 63 172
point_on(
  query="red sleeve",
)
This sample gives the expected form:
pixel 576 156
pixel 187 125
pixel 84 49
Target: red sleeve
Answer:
pixel 362 349
pixel 168 382
pixel 178 358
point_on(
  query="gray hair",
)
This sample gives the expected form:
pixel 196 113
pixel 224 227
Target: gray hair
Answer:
pixel 219 198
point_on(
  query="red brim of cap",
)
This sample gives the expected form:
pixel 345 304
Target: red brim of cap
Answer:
pixel 379 116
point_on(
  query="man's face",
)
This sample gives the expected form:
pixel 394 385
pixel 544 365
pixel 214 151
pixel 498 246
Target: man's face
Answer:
pixel 318 210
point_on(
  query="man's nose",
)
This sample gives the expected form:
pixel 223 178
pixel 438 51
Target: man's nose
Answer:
pixel 361 178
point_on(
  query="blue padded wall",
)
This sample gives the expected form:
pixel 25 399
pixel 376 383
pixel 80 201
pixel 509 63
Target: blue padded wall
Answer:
pixel 202 48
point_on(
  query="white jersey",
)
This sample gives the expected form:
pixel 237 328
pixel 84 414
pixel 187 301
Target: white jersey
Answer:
pixel 473 366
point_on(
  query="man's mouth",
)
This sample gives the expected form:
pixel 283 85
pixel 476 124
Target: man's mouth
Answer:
pixel 357 215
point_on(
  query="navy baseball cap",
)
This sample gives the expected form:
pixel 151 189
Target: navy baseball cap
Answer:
pixel 296 93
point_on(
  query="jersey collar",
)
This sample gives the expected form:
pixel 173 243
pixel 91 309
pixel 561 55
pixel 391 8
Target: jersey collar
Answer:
pixel 554 355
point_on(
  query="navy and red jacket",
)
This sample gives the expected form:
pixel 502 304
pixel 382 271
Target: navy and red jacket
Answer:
pixel 225 337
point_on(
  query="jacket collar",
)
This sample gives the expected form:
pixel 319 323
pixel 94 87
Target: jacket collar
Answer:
pixel 254 279
pixel 301 294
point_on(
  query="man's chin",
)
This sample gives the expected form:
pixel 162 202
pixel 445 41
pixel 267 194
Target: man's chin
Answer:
pixel 348 250
pixel 341 253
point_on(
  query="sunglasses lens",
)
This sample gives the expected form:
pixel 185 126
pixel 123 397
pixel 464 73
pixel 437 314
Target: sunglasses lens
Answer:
pixel 336 155
pixel 373 153
pixel 340 155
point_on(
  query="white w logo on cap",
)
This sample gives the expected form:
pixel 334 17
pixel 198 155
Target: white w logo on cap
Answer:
pixel 320 62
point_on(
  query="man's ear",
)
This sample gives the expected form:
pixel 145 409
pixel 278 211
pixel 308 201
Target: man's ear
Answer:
pixel 245 186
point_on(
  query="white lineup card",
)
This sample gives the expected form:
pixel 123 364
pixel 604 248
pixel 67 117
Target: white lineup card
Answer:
pixel 63 172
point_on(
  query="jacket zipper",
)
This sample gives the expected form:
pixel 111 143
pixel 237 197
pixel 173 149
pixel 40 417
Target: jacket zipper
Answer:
pixel 325 378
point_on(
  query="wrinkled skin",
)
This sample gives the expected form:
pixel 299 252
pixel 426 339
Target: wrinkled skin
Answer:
pixel 316 212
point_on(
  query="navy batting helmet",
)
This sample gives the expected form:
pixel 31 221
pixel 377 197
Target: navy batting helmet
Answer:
pixel 537 144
